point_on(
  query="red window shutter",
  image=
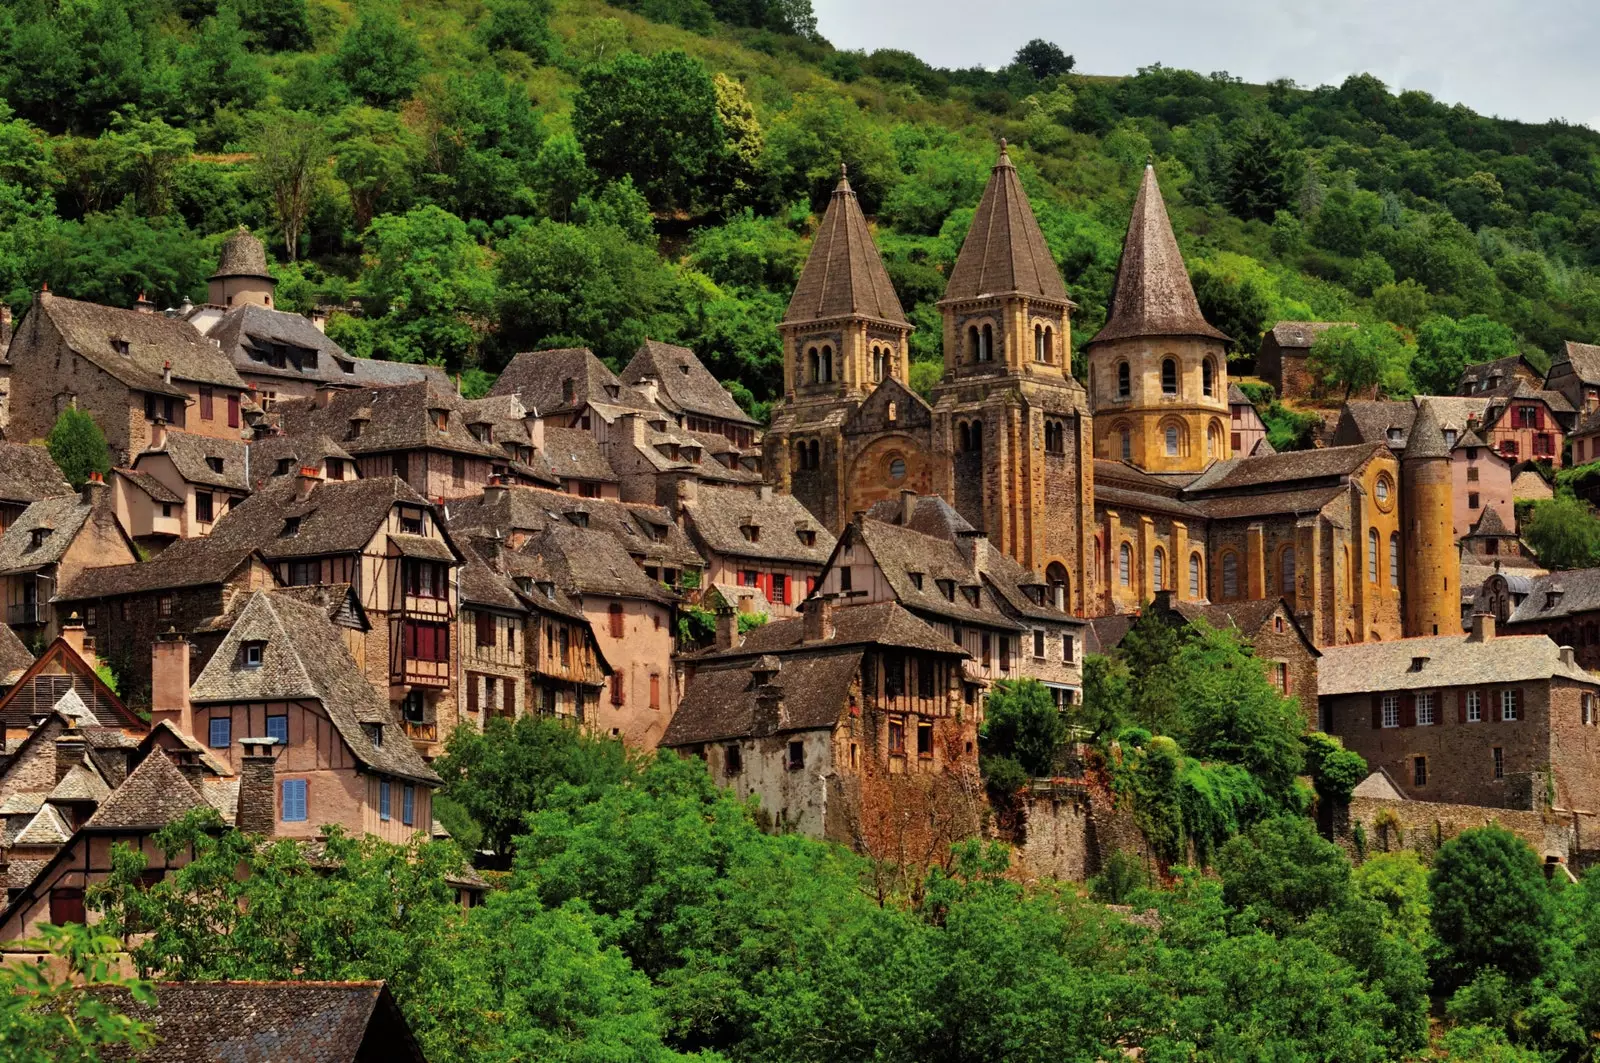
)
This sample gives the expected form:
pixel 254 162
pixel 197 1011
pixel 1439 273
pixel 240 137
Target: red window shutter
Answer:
pixel 811 585
pixel 738 578
pixel 472 693
pixel 655 692
pixel 616 624
pixel 206 411
pixel 1538 417
pixel 1408 710
pixel 511 697
pixel 1461 706
pixel 616 688
pixel 233 411
pixel 1377 711
pixel 1494 710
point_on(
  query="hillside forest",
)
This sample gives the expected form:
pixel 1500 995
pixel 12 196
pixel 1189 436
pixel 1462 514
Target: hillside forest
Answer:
pixel 470 179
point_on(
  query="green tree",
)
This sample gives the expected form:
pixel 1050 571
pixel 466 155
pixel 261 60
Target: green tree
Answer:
pixel 1491 907
pixel 1359 358
pixel 78 447
pixel 508 771
pixel 1399 883
pixel 151 152
pixel 1234 304
pixel 276 25
pixel 1280 872
pixel 653 119
pixel 380 58
pixel 521 25
pixel 1406 303
pixel 1446 346
pixel 1022 724
pixel 114 257
pixel 1335 771
pixel 430 286
pixel 807 143
pixel 560 176
pixel 1563 532
pixel 50 1010
pixel 291 151
pixel 374 155
pixel 482 141
pixel 1043 60
pixel 1264 175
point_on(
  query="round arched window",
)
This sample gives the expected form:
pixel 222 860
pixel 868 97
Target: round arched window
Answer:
pixel 897 469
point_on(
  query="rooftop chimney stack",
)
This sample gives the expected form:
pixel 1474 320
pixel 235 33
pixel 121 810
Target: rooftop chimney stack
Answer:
pixel 908 506
pixel 189 766
pixel 258 812
pixel 319 318
pixel 169 682
pixel 818 610
pixel 166 371
pixel 325 394
pixel 95 490
pixel 158 434
pixel 143 305
pixel 1569 657
pixel 305 483
pixel 73 635
pixel 70 749
pixel 728 637
pixel 495 491
pixel 1482 627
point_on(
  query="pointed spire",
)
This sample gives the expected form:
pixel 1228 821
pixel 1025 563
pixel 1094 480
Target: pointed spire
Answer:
pixel 843 275
pixel 1004 252
pixel 1151 295
pixel 1426 439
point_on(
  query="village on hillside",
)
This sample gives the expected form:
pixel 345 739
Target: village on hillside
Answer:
pixel 302 572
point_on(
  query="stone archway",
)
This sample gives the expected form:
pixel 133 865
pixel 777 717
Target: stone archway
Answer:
pixel 887 466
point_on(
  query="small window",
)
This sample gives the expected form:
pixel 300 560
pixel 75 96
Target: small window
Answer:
pixel 294 801
pixel 291 528
pixel 1390 710
pixel 1230 575
pixel 121 347
pixel 1499 762
pixel 408 805
pixel 1038 643
pixel 254 650
pixel 732 759
pixel 1169 377
pixel 1508 705
pixel 1394 559
pixel 204 507
pixel 897 736
pixel 897 469
pixel 925 739
pixel 278 727
pixel 385 800
pixel 1124 381
pixel 1124 565
pixel 214 464
pixel 220 732
pixel 1474 706
pixel 1425 709
pixel 1419 771
pixel 797 755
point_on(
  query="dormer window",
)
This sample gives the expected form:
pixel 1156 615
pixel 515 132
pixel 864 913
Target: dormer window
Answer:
pixel 569 390
pixel 122 347
pixel 916 580
pixel 1396 437
pixel 971 594
pixel 1417 663
pixel 285 466
pixel 410 521
pixel 441 418
pixel 1450 438
pixel 548 589
pixel 348 367
pixel 37 537
pixel 806 536
pixel 374 734
pixel 291 528
pixel 613 390
pixel 254 651
pixel 214 464
pixel 684 368
pixel 751 532
pixel 947 587
pixel 357 426
pixel 579 519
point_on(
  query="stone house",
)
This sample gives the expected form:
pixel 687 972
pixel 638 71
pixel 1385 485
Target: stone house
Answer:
pixel 331 1022
pixel 847 724
pixel 1564 606
pixel 423 434
pixel 756 538
pixel 279 355
pixel 578 465
pixel 1508 721
pixel 48 545
pixel 127 368
pixel 1499 377
pixel 180 487
pixel 1575 373
pixel 492 636
pixel 675 380
pixel 27 474
pixel 282 695
pixel 280 455
pixel 1283 359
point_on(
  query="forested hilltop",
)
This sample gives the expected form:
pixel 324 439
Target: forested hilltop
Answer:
pixel 480 179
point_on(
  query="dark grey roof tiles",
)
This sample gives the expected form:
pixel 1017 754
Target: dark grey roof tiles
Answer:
pixel 242 256
pixel 844 275
pixel 97 332
pixel 42 533
pixel 28 473
pixel 1005 252
pixel 717 517
pixel 684 380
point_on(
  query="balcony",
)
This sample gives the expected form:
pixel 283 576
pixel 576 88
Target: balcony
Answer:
pixel 412 672
pixel 421 732
pixel 25 613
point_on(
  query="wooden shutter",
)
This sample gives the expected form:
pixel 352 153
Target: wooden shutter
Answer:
pixel 233 410
pixel 616 623
pixel 1377 711
pixel 655 692
pixel 1495 708
pixel 511 696
pixel 1538 417
pixel 485 628
pixel 1461 706
pixel 472 692
pixel 1408 710
pixel 616 688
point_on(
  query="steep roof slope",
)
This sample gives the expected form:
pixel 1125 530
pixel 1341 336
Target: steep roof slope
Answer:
pixel 1005 252
pixel 98 333
pixel 686 383
pixel 843 274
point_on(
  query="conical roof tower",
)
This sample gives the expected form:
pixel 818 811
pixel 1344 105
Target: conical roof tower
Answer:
pixel 1005 252
pixel 1151 295
pixel 844 275
pixel 1426 439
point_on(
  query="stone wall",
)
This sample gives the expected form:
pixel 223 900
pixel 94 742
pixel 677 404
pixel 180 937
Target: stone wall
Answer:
pixel 1379 825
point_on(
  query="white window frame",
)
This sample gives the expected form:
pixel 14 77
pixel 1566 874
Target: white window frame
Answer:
pixel 1474 706
pixel 1425 707
pixel 1389 709
pixel 1508 705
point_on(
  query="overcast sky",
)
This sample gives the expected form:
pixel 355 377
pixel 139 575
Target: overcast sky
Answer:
pixel 1531 60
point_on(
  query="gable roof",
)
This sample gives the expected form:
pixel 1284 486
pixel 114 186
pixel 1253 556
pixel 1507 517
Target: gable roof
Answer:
pixel 14 657
pixel 685 382
pixel 1452 660
pixel 152 339
pixel 303 657
pixel 720 703
pixel 1489 526
pixel 230 1022
pixel 1584 359
pixel 399 417
pixel 901 552
pixel 1558 594
pixel 153 795
pixel 844 275
pixel 1369 420
pixel 1151 295
pixel 879 624
pixel 1005 252
pixel 572 453
pixel 717 516
pixel 1248 616
pixel 1484 372
pixel 1304 334
pixel 58 519
pixel 28 473
pixel 141 481
pixel 1288 467
pixel 646 532
pixel 539 379
pixel 38 689
pixel 191 456
pixel 588 561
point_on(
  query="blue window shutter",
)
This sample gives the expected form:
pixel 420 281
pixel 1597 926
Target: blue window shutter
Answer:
pixel 221 732
pixel 408 810
pixel 278 727
pixel 294 800
pixel 383 799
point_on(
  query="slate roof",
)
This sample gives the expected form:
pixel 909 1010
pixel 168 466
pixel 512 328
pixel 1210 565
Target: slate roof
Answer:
pixel 717 515
pixel 930 515
pixel 900 552
pixel 1005 252
pixel 1579 592
pixel 572 453
pixel 1236 395
pixel 396 418
pixel 1370 420
pixel 1585 360
pixel 479 584
pixel 686 383
pixel 720 703
pixel 28 473
pixel 588 561
pixel 246 1022
pixel 1286 468
pixel 247 334
pixel 242 256
pixel 880 624
pixel 154 794
pixel 1453 660
pixel 152 339
pixel 844 275
pixel 157 490
pixel 191 453
pixel 1483 372
pixel 1151 294
pixel 537 377
pixel 1426 439
pixel 304 658
pixel 301 451
pixel 80 783
pixel 1248 616
pixel 14 657
pixel 61 517
pixel 1304 334
pixel 1261 503
pixel 645 531
pixel 47 827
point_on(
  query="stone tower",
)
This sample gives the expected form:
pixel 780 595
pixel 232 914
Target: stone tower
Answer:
pixel 1158 373
pixel 1430 560
pixel 1010 423
pixel 844 334
pixel 242 275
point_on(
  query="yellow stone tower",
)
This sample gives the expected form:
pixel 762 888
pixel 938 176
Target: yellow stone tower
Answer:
pixel 1158 373
pixel 1431 562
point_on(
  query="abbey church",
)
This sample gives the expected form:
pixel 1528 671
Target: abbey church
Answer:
pixel 1113 492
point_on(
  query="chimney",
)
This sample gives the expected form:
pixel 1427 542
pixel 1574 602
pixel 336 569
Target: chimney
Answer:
pixel 970 545
pixel 319 318
pixel 765 492
pixel 95 491
pixel 188 764
pixel 818 610
pixel 1568 657
pixel 73 635
pixel 908 506
pixel 769 698
pixel 305 483
pixel 535 426
pixel 1482 627
pixel 687 491
pixel 70 748
pixel 185 307
pixel 258 810
pixel 495 491
pixel 325 394
pixel 169 682
pixel 143 305
pixel 166 371
pixel 650 388
pixel 158 434
pixel 728 637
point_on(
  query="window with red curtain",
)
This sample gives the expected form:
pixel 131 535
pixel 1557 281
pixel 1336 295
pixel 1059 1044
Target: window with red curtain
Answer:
pixel 233 411
pixel 616 622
